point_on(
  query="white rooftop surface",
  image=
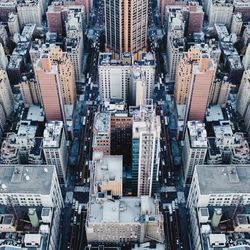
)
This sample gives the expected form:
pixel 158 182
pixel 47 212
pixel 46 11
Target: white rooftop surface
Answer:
pixel 222 130
pixel 220 179
pixel 214 113
pixel 31 179
pixel 52 134
pixel 124 210
pixel 26 129
pixel 35 113
pixel 146 246
pixel 102 122
pixel 109 168
pixel 197 134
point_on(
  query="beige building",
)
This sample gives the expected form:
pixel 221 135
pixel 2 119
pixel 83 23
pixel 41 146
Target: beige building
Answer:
pixel 220 91
pixel 30 92
pixel 13 23
pixel 244 93
pixel 184 74
pixel 126 25
pixel 66 74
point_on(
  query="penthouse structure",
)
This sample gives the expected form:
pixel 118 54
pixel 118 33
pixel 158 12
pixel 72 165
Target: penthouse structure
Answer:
pixel 55 148
pixel 101 133
pixel 227 147
pixel 218 204
pixel 194 149
pixel 23 147
pixel 35 193
pixel 145 150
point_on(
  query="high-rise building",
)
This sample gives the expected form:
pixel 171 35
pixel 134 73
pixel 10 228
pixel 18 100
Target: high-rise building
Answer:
pixel 217 203
pixel 145 149
pixel 184 75
pixel 55 148
pixel 60 89
pixel 175 41
pixel 50 89
pixel 30 91
pixel 236 23
pixel 126 25
pixel 34 193
pixel 55 18
pixel 6 95
pixel 220 11
pixel 74 38
pixel 194 149
pixel 13 23
pixel 117 77
pixel 3 58
pixel 195 18
pixel 246 58
pixel 220 91
pixel 66 74
pixel 243 7
pixel 244 93
pixel 30 12
pixel 114 78
pixel 201 81
pixel 101 133
pixel 7 7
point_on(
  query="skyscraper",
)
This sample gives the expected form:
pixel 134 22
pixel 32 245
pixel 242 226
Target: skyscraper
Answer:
pixel 202 79
pixel 146 149
pixel 126 24
pixel 48 81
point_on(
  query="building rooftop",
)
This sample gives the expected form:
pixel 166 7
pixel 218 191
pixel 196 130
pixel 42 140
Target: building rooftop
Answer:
pixel 214 113
pixel 123 210
pixel 216 179
pixel 109 168
pixel 52 134
pixel 35 113
pixel 197 134
pixel 31 179
pixel 102 122
pixel 18 233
